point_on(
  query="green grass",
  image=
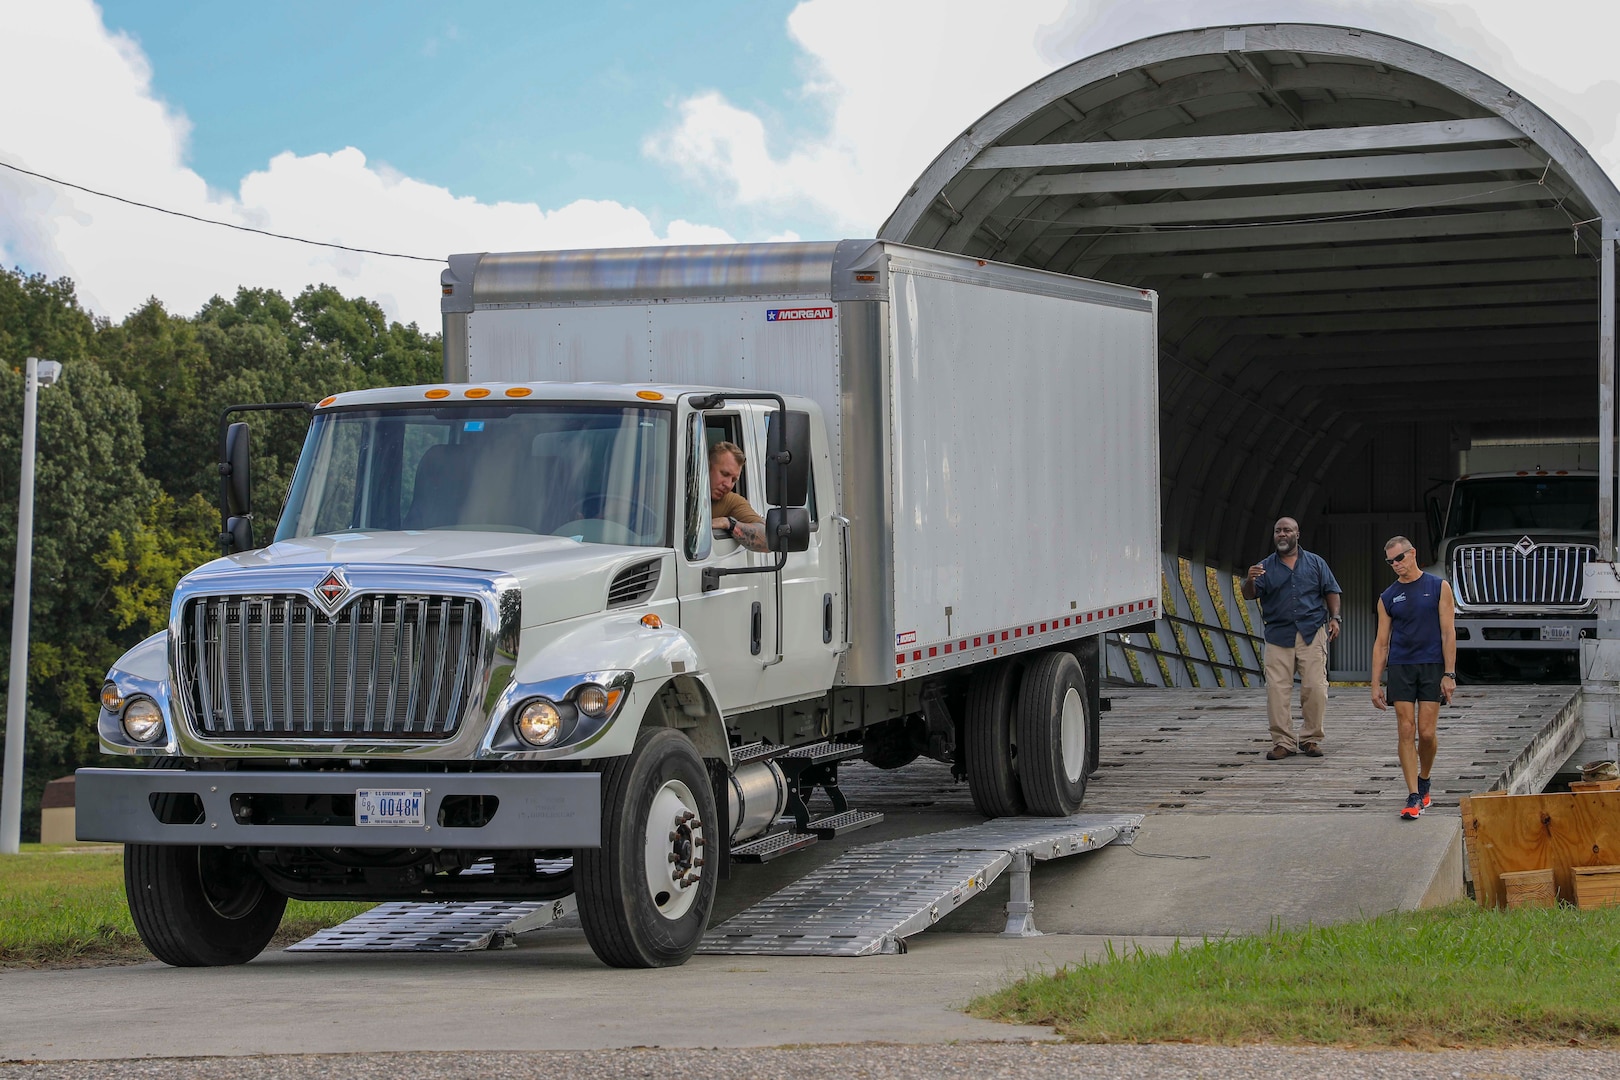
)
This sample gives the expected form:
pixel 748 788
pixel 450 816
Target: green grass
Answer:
pixel 63 906
pixel 1456 976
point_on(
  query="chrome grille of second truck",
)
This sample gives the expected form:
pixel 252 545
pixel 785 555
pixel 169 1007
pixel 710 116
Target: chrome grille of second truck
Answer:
pixel 1511 574
pixel 279 667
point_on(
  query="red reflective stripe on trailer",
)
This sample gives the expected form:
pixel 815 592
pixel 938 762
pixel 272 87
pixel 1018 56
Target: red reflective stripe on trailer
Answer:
pixel 1004 635
pixel 962 644
pixel 976 642
pixel 900 658
pixel 932 653
pixel 917 655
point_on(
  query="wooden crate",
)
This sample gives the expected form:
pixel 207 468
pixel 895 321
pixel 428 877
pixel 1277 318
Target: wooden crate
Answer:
pixel 1597 886
pixel 1529 888
pixel 1509 833
pixel 1594 785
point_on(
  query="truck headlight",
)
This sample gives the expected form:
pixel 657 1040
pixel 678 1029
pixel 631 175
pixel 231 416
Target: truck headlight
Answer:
pixel 597 701
pixel 539 723
pixel 143 720
pixel 111 699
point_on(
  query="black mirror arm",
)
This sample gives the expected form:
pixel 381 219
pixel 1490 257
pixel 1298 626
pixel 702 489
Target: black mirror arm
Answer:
pixel 713 574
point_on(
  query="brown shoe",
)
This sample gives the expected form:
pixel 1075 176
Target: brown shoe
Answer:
pixel 1310 749
pixel 1277 753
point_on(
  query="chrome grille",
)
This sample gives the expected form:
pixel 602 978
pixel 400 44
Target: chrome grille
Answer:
pixel 1502 574
pixel 279 667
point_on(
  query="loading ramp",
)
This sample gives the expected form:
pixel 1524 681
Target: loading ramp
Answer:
pixel 867 901
pixel 870 899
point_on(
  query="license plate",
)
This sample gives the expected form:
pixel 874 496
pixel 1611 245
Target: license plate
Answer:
pixel 1557 633
pixel 389 806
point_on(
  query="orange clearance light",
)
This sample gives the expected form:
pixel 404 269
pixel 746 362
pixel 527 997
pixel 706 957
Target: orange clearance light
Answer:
pixel 649 395
pixel 478 392
pixel 866 277
pixel 652 622
pixel 518 391
pixel 326 401
pixel 436 394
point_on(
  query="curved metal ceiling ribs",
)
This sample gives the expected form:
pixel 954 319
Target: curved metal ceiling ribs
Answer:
pixel 1345 230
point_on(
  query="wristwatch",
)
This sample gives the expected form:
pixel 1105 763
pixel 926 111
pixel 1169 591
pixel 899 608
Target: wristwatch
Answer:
pixel 1335 618
pixel 731 526
pixel 1452 675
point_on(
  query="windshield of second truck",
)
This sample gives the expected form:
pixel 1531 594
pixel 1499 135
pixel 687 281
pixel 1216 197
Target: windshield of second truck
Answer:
pixel 596 473
pixel 1524 504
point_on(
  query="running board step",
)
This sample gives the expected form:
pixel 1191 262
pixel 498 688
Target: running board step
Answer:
pixel 823 753
pixel 837 824
pixel 772 846
pixel 458 926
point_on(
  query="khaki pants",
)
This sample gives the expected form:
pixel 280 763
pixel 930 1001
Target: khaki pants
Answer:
pixel 1310 658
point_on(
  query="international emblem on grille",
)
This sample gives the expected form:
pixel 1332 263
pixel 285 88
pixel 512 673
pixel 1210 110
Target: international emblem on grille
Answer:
pixel 331 591
pixel 1525 546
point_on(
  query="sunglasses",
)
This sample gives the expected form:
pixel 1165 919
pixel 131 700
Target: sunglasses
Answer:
pixel 1399 558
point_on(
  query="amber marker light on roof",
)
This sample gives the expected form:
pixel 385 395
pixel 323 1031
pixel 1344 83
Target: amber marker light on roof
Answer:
pixel 326 401
pixel 518 391
pixel 478 392
pixel 649 395
pixel 652 622
pixel 437 394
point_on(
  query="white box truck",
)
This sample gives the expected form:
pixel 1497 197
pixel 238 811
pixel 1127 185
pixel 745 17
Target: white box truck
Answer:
pixel 497 648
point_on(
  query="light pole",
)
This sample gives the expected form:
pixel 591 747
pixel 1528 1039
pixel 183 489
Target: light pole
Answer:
pixel 40 373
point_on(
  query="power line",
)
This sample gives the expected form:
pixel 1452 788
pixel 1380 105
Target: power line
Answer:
pixel 212 221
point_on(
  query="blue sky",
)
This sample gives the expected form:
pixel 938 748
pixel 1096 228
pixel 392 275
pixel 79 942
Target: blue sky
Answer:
pixel 437 128
pixel 534 102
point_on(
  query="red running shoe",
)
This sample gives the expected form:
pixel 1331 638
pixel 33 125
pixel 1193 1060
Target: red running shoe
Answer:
pixel 1413 807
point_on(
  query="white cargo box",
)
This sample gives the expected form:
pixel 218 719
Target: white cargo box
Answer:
pixel 994 429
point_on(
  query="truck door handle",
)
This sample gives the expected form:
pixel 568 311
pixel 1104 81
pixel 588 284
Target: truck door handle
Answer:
pixel 826 618
pixel 756 629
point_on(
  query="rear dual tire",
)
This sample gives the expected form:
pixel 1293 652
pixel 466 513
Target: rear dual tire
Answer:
pixel 1030 737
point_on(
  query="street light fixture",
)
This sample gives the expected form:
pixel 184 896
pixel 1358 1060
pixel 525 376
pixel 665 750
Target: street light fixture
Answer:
pixel 40 373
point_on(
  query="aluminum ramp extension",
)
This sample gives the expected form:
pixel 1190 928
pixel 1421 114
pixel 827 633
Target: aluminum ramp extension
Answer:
pixel 444 926
pixel 870 899
pixel 456 926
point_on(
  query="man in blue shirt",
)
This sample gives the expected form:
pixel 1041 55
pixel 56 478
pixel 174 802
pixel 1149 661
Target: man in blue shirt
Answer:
pixel 1299 599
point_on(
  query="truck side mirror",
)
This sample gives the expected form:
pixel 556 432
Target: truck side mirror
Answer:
pixel 787 460
pixel 238 472
pixel 787 528
pixel 239 533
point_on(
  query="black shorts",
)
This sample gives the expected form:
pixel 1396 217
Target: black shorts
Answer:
pixel 1414 682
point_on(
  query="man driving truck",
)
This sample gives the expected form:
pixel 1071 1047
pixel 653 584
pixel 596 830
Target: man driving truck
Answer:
pixel 732 514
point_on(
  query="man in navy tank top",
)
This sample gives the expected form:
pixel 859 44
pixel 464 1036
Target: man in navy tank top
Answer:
pixel 1417 644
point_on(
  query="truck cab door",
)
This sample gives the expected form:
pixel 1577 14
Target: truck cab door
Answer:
pixel 731 625
pixel 811 591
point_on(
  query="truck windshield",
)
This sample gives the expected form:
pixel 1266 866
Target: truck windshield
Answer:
pixel 1524 504
pixel 597 473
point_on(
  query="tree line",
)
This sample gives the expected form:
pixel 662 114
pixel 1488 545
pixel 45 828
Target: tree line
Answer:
pixel 126 475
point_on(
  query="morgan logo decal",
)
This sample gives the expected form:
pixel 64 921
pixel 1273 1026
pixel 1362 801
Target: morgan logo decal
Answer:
pixel 331 591
pixel 797 314
pixel 1525 546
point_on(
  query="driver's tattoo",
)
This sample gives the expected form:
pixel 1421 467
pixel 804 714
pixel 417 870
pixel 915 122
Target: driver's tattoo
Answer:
pixel 751 535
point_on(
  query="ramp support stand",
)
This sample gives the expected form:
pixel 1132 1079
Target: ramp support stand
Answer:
pixel 1020 903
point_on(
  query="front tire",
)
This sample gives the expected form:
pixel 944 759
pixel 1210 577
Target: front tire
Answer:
pixel 1054 735
pixel 645 895
pixel 200 906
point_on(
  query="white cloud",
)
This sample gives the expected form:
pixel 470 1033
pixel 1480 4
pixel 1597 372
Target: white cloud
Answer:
pixel 919 72
pixel 100 125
